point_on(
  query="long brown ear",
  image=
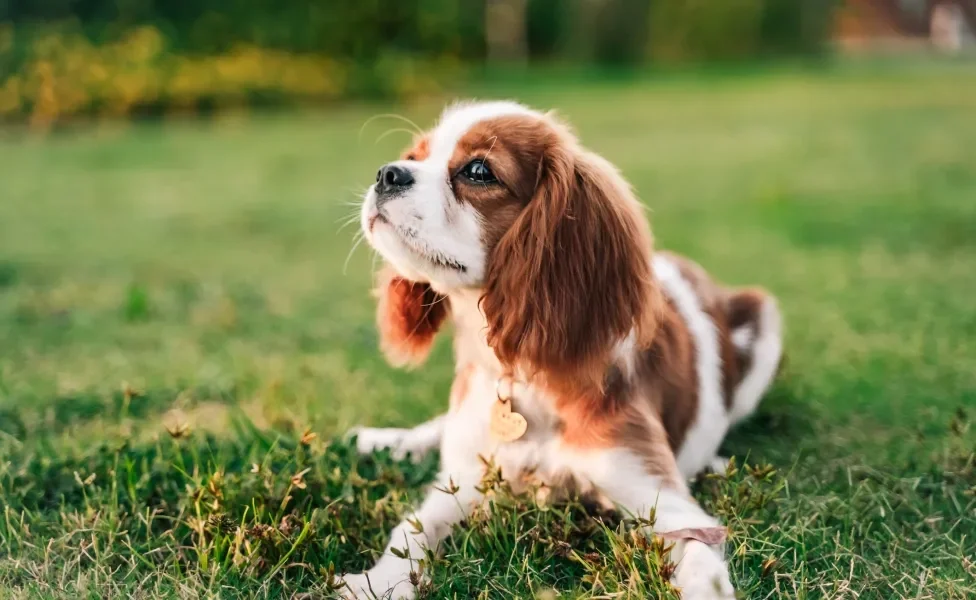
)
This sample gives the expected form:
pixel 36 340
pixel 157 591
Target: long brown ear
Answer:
pixel 572 276
pixel 408 317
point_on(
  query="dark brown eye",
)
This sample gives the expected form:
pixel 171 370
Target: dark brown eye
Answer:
pixel 477 171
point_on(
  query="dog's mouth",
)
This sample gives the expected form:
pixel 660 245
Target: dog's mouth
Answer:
pixel 410 239
pixel 416 245
pixel 430 255
pixel 447 263
pixel 378 217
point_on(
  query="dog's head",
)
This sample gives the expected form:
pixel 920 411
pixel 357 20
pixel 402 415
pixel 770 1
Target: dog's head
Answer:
pixel 502 199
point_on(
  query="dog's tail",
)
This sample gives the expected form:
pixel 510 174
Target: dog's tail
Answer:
pixel 757 334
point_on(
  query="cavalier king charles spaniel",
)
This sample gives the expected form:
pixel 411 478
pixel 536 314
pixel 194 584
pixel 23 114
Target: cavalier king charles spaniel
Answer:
pixel 583 359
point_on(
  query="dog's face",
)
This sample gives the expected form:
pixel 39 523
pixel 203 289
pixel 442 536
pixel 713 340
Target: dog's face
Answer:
pixel 502 199
pixel 436 214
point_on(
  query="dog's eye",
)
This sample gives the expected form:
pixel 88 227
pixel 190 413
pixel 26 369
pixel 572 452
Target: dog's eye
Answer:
pixel 477 171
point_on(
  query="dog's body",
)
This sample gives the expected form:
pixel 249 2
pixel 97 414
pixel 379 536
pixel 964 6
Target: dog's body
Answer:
pixel 628 369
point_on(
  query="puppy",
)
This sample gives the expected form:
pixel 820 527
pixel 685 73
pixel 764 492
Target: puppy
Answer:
pixel 582 356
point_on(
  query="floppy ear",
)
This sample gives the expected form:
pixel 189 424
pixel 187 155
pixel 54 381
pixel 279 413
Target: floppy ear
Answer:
pixel 408 317
pixel 572 276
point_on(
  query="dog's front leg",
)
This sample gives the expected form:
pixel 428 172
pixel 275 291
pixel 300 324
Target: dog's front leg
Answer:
pixel 624 479
pixel 415 442
pixel 450 501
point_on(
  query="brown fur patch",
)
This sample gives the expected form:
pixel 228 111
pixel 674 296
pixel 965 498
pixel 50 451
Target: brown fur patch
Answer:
pixel 571 275
pixel 667 376
pixel 408 317
pixel 585 423
pixel 661 402
pixel 511 146
pixel 419 151
pixel 628 420
pixel 648 413
pixel 744 305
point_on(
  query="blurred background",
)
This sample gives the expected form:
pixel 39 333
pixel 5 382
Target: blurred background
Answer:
pixel 69 59
pixel 186 328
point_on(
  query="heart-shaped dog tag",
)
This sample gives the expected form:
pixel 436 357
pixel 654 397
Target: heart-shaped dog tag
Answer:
pixel 506 425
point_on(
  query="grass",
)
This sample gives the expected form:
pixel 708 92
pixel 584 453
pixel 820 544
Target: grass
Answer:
pixel 183 340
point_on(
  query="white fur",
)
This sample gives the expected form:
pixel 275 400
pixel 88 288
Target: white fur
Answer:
pixel 625 353
pixel 701 573
pixel 427 220
pixel 767 350
pixel 638 492
pixel 457 119
pixel 711 422
pixel 743 337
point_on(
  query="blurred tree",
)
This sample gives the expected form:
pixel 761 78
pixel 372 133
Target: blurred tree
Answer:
pixel 620 31
pixel 546 24
pixel 65 57
pixel 506 31
pixel 796 26
pixel 705 30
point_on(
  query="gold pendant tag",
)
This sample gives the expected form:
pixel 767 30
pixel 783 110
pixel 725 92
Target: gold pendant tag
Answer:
pixel 506 425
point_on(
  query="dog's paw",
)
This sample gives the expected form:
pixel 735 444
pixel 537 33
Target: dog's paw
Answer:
pixel 702 574
pixel 375 585
pixel 371 439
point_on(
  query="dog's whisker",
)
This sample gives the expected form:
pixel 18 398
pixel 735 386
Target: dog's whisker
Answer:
pixel 494 139
pixel 357 193
pixel 416 129
pixel 352 216
pixel 394 130
pixel 347 224
pixel 359 240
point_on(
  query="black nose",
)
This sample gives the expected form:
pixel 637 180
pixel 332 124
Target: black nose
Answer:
pixel 392 178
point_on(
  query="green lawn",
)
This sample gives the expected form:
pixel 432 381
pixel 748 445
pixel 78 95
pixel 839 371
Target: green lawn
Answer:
pixel 177 310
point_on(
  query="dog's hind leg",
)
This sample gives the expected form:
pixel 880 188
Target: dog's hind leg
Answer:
pixel 624 479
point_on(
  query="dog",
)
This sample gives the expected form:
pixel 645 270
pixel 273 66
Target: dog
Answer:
pixel 583 356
